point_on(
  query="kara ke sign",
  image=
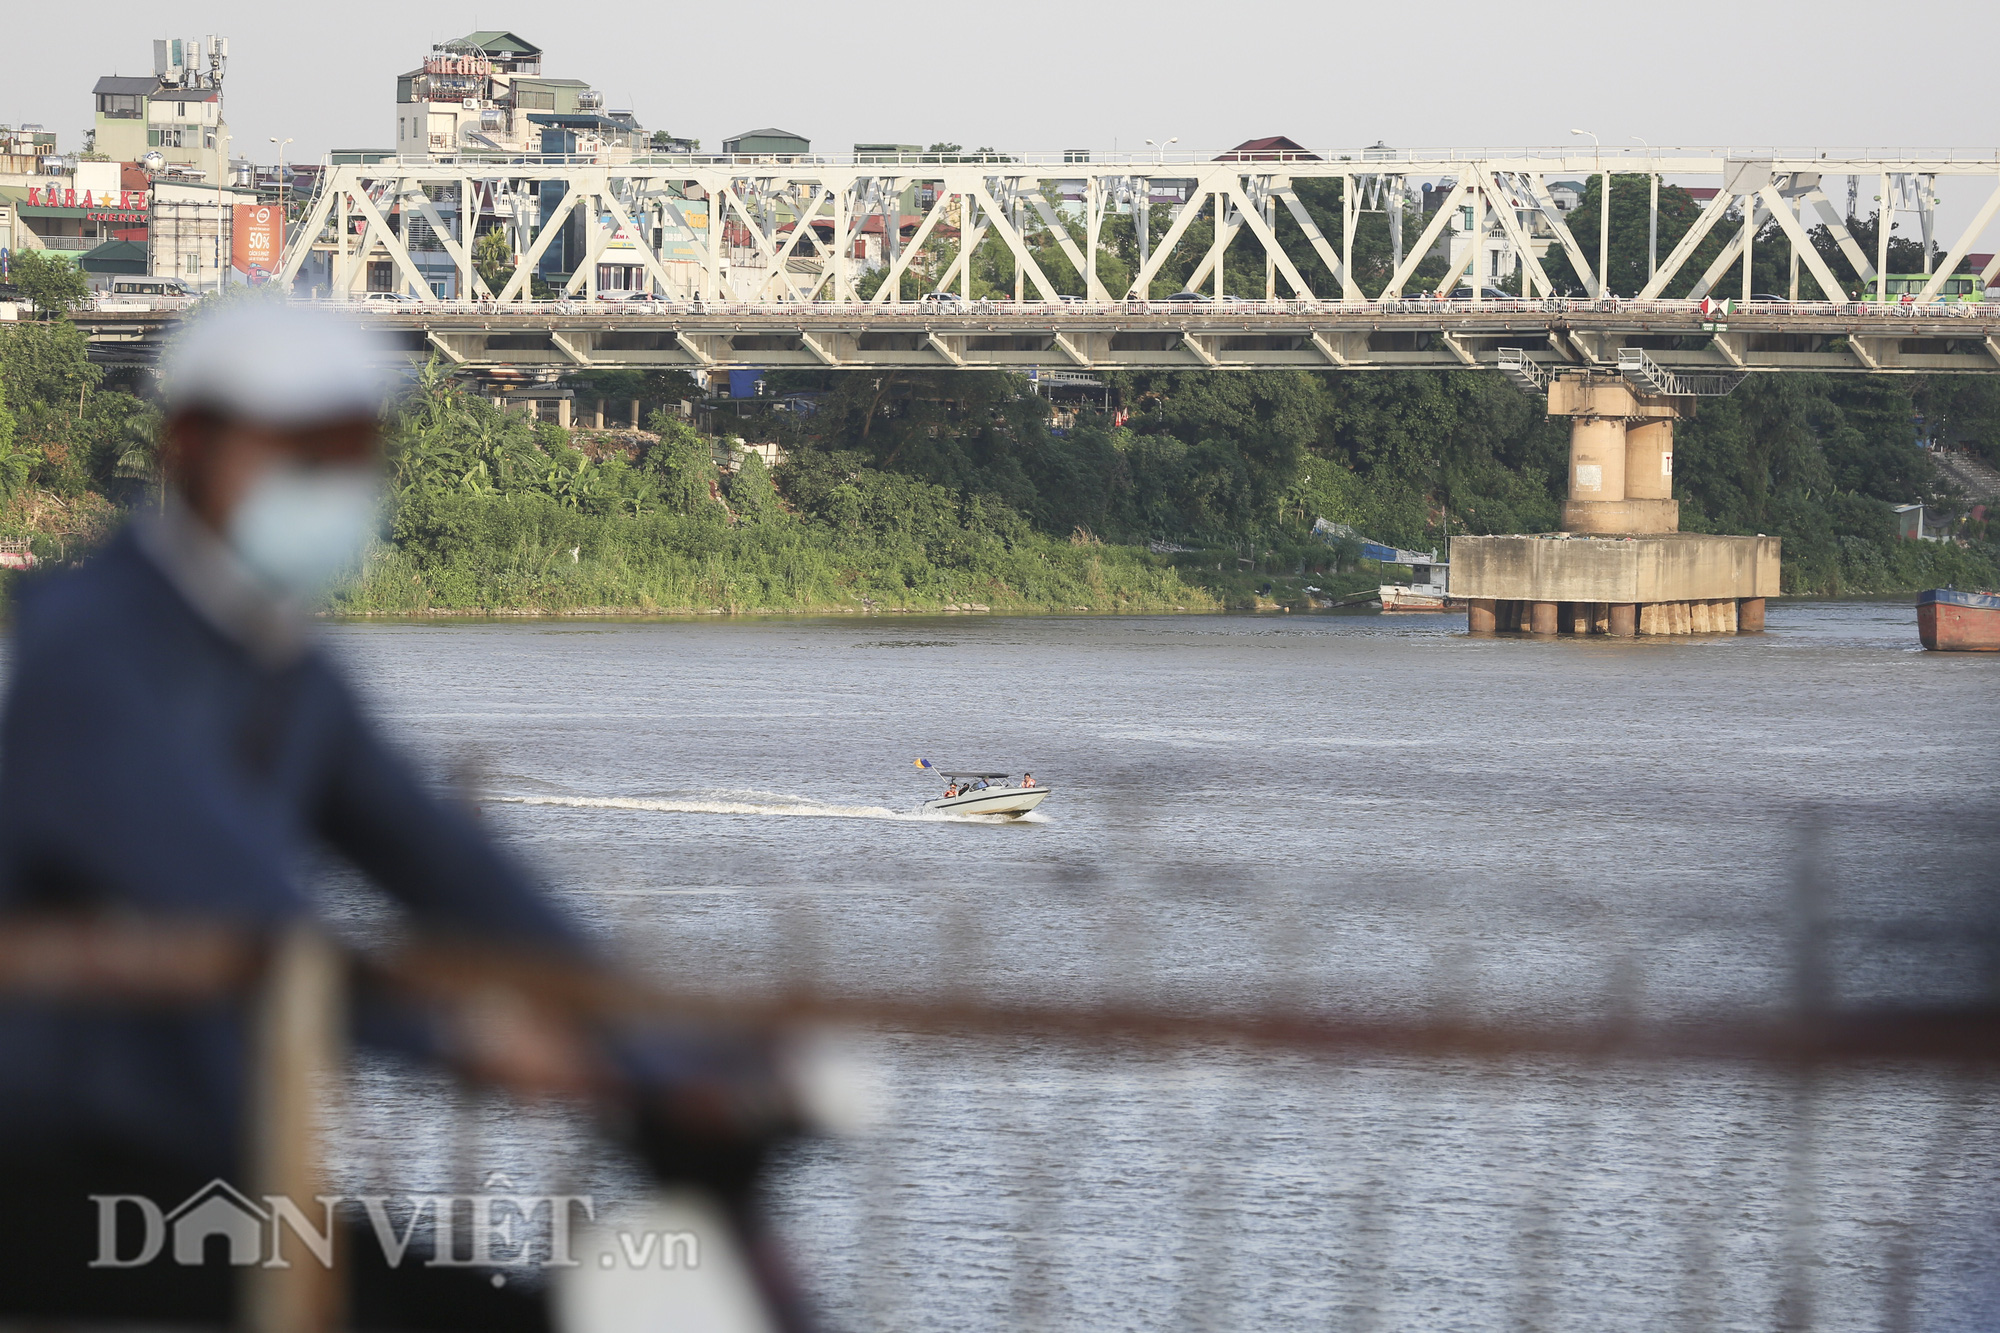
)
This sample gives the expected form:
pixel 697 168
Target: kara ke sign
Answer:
pixel 56 196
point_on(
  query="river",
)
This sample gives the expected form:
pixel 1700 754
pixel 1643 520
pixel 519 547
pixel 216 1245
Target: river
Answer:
pixel 1371 813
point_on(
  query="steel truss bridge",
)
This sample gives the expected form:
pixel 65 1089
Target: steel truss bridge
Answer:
pixel 754 262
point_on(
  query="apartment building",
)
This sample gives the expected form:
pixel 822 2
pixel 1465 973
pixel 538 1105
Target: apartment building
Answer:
pixel 485 93
pixel 176 112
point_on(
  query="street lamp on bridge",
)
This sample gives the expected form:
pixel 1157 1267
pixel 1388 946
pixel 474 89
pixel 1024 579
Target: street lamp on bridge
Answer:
pixel 1603 218
pixel 1652 212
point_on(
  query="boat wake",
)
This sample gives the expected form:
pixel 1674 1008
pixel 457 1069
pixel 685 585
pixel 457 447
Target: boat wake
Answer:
pixel 794 807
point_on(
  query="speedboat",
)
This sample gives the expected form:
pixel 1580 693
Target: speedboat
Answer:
pixel 983 798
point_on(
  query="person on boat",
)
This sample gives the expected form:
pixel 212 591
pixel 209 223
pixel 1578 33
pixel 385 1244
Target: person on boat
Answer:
pixel 1027 779
pixel 950 790
pixel 981 785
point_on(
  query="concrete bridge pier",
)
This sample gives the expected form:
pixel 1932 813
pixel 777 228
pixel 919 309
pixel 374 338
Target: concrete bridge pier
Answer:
pixel 1621 449
pixel 1621 566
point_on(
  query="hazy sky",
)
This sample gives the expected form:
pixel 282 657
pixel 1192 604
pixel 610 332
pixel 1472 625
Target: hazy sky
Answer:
pixel 1030 74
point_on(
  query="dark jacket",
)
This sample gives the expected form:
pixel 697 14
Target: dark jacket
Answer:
pixel 172 746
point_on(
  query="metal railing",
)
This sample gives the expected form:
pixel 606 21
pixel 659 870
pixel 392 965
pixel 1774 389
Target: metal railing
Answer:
pixel 1807 1165
pixel 1641 370
pixel 1147 162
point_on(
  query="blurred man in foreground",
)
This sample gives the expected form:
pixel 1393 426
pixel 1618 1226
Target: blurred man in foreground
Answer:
pixel 173 746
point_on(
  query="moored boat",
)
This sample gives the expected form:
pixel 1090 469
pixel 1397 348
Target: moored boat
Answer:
pixel 1950 621
pixel 1403 597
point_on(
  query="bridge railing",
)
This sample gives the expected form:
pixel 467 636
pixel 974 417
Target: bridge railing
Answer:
pixel 616 307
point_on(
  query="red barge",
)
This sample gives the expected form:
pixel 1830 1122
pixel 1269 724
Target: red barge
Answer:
pixel 1959 622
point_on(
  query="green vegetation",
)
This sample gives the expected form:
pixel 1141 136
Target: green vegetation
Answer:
pixel 51 282
pixel 493 514
pixel 1239 465
pixel 935 489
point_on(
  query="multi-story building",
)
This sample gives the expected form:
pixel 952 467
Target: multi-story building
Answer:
pixel 177 112
pixel 486 93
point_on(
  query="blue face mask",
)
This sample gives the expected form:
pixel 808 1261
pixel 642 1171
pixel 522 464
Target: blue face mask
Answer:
pixel 298 528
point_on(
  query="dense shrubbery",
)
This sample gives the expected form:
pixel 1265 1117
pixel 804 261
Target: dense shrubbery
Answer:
pixel 1246 461
pixel 529 551
pixel 494 514
pixel 923 489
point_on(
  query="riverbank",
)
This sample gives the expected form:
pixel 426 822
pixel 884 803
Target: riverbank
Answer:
pixel 526 555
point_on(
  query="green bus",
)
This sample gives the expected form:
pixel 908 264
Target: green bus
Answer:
pixel 1961 288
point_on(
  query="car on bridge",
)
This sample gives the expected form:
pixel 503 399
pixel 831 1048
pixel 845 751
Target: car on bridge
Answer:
pixel 147 293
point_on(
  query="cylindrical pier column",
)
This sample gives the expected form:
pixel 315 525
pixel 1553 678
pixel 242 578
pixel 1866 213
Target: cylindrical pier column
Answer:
pixel 1750 616
pixel 1542 617
pixel 1623 622
pixel 1480 616
pixel 1649 460
pixel 1597 458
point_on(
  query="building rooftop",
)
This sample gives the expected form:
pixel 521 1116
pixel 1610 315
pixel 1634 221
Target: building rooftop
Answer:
pixel 114 85
pixel 115 257
pixel 577 120
pixel 768 133
pixel 1274 147
pixel 498 44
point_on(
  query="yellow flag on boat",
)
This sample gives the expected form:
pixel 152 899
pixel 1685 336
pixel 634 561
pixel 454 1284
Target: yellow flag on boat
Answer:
pixel 923 763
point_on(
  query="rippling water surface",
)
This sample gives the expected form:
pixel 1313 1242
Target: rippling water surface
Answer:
pixel 1369 813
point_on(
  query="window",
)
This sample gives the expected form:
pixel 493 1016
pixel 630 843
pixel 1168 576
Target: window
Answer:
pixel 121 106
pixel 1465 218
pixel 534 99
pixel 208 138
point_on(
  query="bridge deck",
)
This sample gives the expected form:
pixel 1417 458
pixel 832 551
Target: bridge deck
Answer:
pixel 1417 334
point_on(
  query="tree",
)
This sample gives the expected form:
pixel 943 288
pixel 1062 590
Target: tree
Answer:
pixel 137 445
pixel 684 465
pixel 751 494
pixel 1630 196
pixel 46 364
pixel 55 285
pixel 493 259
pixel 15 464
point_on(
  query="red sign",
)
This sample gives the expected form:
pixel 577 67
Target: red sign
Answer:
pixel 57 196
pixel 257 241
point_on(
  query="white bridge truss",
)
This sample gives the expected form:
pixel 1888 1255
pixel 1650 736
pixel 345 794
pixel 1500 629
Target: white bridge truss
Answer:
pixel 761 204
pixel 761 269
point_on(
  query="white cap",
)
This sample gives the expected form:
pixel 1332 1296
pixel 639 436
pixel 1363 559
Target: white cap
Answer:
pixel 277 364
